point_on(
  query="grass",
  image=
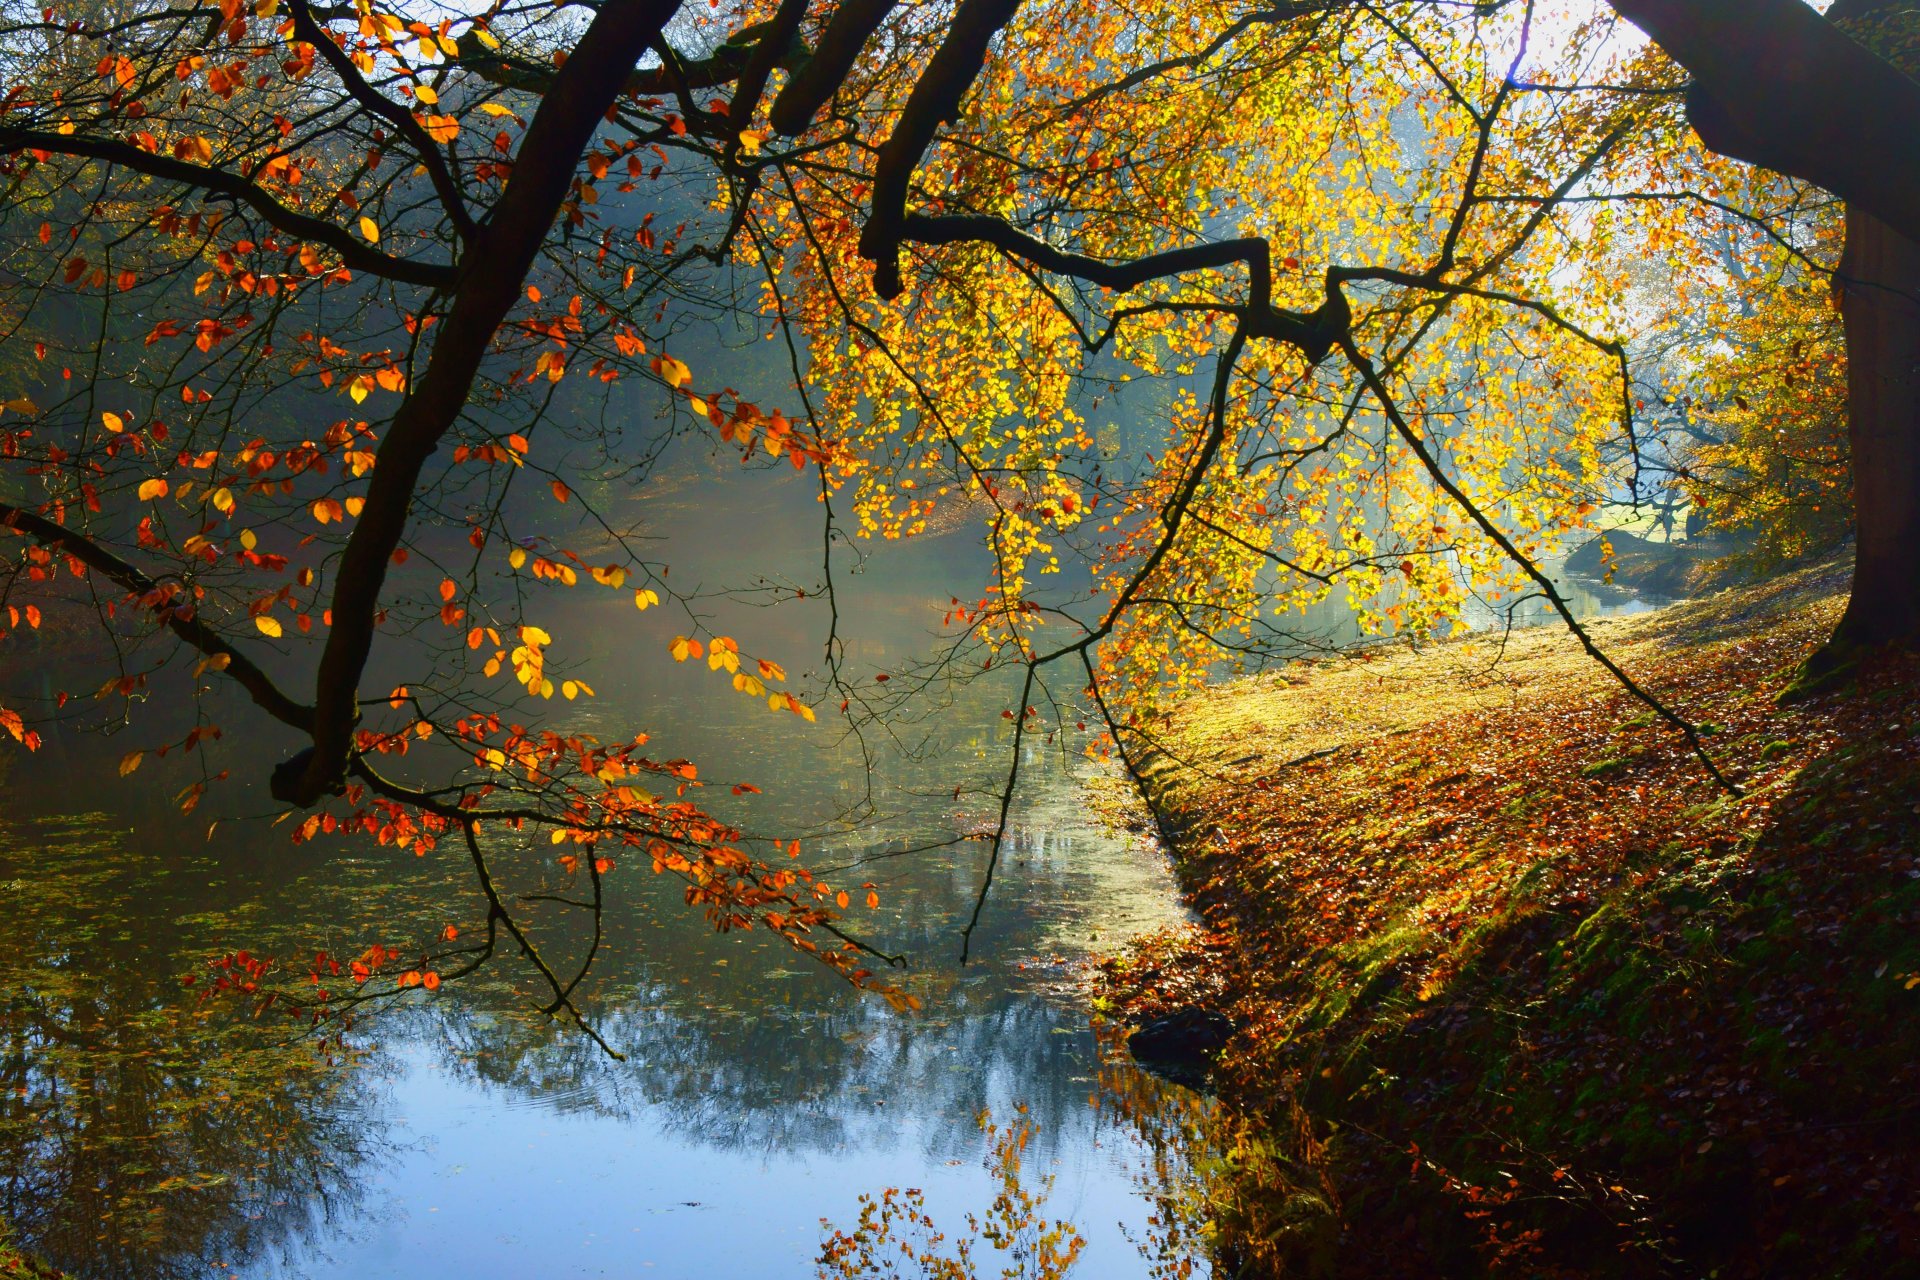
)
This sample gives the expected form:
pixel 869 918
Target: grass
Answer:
pixel 1550 1001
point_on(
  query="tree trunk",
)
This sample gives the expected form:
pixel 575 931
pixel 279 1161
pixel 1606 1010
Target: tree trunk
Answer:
pixel 1879 293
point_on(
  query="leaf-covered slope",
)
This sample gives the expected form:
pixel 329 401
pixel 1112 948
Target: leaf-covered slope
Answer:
pixel 1554 1004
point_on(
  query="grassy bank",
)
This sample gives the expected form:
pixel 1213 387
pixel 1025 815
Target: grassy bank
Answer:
pixel 1522 991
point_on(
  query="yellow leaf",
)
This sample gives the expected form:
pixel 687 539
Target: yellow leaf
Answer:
pixel 155 488
pixel 534 635
pixel 130 761
pixel 486 37
pixel 645 597
pixel 113 422
pixel 249 539
pixel 676 373
pixel 356 505
pixel 358 389
pixel 222 499
pixel 370 230
pixel 442 129
pixel 683 648
pixel 570 689
pixel 495 109
pixel 516 557
pixel 212 662
pixel 426 93
pixel 269 626
pixel 750 142
pixel 21 404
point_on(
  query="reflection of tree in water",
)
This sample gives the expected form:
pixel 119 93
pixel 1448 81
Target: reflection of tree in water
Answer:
pixel 771 1076
pixel 156 1139
pixel 142 1134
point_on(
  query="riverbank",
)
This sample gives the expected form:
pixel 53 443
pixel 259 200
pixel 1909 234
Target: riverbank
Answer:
pixel 1520 990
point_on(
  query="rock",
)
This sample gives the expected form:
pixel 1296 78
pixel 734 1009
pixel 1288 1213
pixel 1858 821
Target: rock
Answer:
pixel 1668 570
pixel 1181 1045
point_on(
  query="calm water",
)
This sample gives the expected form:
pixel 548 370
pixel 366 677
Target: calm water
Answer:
pixel 144 1133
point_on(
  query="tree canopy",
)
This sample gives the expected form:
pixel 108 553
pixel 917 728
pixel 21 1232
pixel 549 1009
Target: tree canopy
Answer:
pixel 1199 313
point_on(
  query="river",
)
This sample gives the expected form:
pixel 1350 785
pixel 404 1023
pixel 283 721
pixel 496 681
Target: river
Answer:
pixel 148 1132
pixel 145 1132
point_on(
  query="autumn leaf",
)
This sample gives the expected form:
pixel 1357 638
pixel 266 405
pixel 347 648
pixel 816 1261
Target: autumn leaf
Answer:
pixel 131 761
pixel 269 625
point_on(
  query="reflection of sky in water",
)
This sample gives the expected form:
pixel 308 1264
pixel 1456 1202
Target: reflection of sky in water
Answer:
pixel 530 1189
pixel 480 1140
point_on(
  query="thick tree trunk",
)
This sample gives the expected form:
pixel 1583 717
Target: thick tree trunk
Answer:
pixel 1879 288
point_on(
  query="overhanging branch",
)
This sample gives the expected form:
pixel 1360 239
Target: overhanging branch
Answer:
pixel 183 620
pixel 354 253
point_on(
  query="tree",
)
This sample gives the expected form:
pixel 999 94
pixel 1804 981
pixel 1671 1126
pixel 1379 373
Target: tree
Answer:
pixel 1777 85
pixel 1201 313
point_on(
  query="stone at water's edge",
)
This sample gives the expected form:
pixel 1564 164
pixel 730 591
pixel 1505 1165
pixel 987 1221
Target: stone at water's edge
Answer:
pixel 1662 569
pixel 1181 1045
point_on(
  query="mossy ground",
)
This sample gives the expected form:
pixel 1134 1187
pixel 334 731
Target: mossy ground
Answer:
pixel 1523 991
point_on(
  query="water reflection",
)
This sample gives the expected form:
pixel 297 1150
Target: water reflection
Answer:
pixel 145 1133
pixel 162 1136
pixel 142 1135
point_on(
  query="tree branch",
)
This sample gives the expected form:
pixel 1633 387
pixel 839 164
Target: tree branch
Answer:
pixel 560 130
pixel 359 256
pixel 846 34
pixel 424 147
pixel 183 621
pixel 935 98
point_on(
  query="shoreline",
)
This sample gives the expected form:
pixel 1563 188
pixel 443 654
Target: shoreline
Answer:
pixel 1519 990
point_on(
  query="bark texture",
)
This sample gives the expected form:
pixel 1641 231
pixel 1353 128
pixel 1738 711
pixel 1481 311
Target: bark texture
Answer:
pixel 1879 288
